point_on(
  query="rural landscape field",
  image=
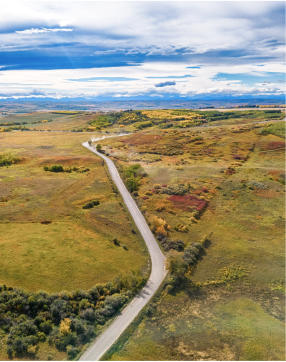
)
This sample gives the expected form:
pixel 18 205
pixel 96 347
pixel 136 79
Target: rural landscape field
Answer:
pixel 142 180
pixel 211 187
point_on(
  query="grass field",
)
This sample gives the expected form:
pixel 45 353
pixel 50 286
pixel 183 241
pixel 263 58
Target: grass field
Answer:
pixel 131 121
pixel 48 241
pixel 57 120
pixel 234 308
pixel 69 230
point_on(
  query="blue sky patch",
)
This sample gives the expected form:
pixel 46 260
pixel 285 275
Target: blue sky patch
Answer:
pixel 164 84
pixel 250 79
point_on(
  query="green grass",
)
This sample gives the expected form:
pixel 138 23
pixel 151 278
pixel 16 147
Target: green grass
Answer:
pixel 277 129
pixel 183 328
pixel 48 241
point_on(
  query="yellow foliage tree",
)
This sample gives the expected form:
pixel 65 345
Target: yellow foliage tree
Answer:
pixel 160 226
pixel 65 326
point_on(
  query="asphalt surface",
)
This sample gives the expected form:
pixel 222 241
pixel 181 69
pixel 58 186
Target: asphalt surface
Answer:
pixel 158 272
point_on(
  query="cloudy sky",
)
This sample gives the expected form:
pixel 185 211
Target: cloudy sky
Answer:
pixel 152 49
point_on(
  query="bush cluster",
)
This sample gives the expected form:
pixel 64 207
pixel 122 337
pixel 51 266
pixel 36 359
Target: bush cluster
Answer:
pixel 7 160
pixel 169 244
pixel 180 265
pixel 67 320
pixel 91 204
pixel 193 253
pixel 177 189
pixel 60 168
pixel 132 177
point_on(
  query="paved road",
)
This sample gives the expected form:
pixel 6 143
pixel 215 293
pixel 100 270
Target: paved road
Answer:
pixel 106 339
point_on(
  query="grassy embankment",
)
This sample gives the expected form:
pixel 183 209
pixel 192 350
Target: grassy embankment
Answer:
pixel 229 305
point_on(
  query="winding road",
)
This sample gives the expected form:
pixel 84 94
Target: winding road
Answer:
pixel 158 272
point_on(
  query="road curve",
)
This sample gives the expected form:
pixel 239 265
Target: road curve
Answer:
pixel 158 272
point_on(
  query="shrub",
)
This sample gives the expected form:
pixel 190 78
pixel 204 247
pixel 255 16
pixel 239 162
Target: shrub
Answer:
pixel 116 242
pixel 72 352
pixel 178 269
pixel 7 159
pixel 132 176
pixel 91 204
pixel 132 183
pixel 46 326
pixel 54 168
pixel 181 228
pixel 159 226
pixel 193 253
pixel 61 341
pixel 88 314
pixel 169 244
pixel 59 309
pixel 179 189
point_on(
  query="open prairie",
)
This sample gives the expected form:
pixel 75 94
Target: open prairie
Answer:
pixel 48 240
pixel 222 188
pixel 211 186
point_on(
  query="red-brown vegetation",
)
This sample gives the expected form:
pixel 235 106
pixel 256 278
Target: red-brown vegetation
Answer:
pixel 274 145
pixel 187 202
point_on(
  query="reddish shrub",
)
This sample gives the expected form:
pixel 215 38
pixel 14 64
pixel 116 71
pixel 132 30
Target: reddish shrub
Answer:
pixel 275 145
pixel 186 202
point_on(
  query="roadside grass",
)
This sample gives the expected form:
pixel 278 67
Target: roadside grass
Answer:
pixel 48 241
pixel 237 311
pixel 186 329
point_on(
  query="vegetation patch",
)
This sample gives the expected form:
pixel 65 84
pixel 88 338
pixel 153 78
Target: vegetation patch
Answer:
pixel 66 321
pixel 91 204
pixel 60 168
pixel 7 159
pixel 132 177
pixel 188 202
pixel 277 129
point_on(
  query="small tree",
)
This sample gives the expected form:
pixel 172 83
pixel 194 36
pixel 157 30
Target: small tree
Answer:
pixel 132 183
pixel 72 352
pixel 178 269
pixel 98 148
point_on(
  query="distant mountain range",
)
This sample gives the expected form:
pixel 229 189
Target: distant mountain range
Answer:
pixel 25 105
